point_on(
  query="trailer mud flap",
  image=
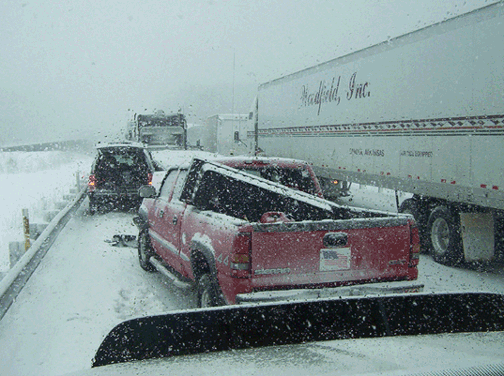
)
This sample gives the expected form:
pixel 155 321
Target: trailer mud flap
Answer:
pixel 241 327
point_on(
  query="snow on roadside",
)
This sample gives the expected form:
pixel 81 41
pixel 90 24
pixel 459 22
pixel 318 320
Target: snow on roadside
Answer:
pixel 34 181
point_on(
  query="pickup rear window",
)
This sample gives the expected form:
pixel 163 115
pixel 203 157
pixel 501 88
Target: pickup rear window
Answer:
pixel 297 178
pixel 237 198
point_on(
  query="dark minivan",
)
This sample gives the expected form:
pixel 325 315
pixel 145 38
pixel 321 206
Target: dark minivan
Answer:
pixel 117 172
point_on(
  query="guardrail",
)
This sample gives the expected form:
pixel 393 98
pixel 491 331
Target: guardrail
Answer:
pixel 15 279
pixel 55 145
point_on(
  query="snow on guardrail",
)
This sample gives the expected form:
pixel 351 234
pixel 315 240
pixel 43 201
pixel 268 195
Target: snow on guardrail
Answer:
pixel 36 181
pixel 19 266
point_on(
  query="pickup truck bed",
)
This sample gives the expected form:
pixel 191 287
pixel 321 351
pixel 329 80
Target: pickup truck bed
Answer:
pixel 235 235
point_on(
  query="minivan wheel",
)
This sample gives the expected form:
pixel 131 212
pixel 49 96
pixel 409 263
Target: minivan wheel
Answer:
pixel 207 292
pixel 145 251
pixel 92 206
pixel 445 236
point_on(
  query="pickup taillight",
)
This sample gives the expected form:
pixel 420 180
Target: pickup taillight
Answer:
pixel 92 183
pixel 414 244
pixel 240 258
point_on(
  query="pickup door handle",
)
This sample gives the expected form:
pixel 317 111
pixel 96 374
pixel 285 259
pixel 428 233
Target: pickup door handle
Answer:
pixel 335 239
pixel 175 220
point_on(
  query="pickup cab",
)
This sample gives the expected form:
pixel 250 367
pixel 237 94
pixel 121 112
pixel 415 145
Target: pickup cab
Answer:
pixel 241 238
pixel 292 173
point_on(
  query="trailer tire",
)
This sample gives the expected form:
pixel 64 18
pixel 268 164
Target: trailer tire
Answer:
pixel 444 235
pixel 145 251
pixel 208 295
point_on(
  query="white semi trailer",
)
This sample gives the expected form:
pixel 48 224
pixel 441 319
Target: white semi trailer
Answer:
pixel 223 134
pixel 422 113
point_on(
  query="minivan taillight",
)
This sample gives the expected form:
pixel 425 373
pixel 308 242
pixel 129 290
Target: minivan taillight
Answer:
pixel 414 244
pixel 149 178
pixel 92 183
pixel 240 258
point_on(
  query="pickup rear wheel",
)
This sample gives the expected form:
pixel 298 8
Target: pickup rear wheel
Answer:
pixel 445 236
pixel 207 292
pixel 145 251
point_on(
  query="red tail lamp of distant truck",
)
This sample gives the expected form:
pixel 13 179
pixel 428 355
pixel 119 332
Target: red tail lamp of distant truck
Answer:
pixel 92 183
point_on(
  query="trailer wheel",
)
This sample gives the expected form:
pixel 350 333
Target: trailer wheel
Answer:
pixel 444 231
pixel 207 292
pixel 145 251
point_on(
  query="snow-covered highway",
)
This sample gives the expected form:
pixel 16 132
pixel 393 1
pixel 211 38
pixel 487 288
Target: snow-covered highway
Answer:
pixel 81 290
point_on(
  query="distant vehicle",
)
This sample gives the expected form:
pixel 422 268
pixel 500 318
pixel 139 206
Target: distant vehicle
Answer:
pixel 158 130
pixel 421 113
pixel 334 188
pixel 116 174
pixel 289 172
pixel 222 134
pixel 240 238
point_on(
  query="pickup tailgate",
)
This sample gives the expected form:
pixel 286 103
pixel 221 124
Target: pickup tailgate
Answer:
pixel 330 253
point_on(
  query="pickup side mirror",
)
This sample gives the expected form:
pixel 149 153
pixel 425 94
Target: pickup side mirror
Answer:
pixel 147 191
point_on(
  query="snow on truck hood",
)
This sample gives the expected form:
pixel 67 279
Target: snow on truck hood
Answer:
pixel 460 354
pixel 400 335
pixel 267 160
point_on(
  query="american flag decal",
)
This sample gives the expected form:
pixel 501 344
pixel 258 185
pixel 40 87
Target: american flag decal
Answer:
pixel 335 259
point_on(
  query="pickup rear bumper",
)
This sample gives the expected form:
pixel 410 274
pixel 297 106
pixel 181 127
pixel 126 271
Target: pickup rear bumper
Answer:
pixel 372 289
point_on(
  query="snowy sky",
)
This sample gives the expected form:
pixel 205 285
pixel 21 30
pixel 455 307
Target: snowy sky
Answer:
pixel 73 68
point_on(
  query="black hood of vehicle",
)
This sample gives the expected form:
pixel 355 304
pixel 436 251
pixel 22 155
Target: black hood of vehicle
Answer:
pixel 253 326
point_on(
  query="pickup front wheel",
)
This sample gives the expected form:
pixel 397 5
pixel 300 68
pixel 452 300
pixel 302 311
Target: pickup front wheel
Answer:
pixel 207 292
pixel 145 251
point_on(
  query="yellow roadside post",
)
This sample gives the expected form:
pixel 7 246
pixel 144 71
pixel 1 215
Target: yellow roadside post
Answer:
pixel 26 226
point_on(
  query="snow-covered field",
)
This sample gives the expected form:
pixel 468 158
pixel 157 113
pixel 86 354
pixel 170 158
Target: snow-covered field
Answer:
pixel 34 181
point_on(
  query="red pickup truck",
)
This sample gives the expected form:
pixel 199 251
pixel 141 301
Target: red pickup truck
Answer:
pixel 242 238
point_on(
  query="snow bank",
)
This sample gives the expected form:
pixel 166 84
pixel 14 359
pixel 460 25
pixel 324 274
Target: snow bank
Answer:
pixel 34 181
